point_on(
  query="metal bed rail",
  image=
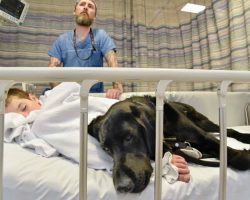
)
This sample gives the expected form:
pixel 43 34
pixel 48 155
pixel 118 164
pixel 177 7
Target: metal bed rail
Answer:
pixel 88 76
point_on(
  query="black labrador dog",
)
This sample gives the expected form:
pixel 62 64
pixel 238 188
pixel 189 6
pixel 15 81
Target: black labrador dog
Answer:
pixel 127 132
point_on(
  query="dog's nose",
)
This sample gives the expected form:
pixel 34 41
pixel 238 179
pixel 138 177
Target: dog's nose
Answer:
pixel 124 189
pixel 125 185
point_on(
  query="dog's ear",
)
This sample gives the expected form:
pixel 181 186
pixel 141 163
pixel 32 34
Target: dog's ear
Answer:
pixel 94 126
pixel 146 120
pixel 135 111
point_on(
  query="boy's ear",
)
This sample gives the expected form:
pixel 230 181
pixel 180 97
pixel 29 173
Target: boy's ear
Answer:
pixel 32 97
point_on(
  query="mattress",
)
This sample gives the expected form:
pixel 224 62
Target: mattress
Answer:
pixel 32 177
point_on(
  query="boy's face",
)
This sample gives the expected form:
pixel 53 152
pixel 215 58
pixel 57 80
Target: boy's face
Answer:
pixel 23 106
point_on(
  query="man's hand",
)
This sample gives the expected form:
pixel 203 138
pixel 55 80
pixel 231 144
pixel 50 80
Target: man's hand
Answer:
pixel 181 164
pixel 54 62
pixel 117 90
pixel 113 93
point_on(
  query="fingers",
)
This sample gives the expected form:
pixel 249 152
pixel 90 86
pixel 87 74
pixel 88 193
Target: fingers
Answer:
pixel 181 164
pixel 113 93
pixel 184 178
pixel 178 160
pixel 183 170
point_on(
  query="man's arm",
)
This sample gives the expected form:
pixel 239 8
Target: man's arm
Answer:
pixel 54 62
pixel 117 90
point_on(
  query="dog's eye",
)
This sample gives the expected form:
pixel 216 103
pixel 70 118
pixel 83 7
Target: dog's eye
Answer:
pixel 106 149
pixel 128 138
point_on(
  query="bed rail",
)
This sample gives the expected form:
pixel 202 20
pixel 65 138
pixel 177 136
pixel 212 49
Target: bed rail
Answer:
pixel 88 76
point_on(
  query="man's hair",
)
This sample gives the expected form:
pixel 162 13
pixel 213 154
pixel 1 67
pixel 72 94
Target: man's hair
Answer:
pixel 15 92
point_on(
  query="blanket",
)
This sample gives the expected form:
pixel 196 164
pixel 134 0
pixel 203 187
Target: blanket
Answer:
pixel 18 128
pixel 58 123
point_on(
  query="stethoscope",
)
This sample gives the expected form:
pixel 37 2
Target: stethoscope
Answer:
pixel 93 49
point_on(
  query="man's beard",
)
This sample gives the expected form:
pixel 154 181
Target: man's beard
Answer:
pixel 83 20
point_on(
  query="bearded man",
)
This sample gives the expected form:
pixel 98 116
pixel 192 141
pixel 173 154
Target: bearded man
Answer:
pixel 86 47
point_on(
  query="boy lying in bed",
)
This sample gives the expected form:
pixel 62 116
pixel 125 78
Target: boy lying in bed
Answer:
pixel 57 122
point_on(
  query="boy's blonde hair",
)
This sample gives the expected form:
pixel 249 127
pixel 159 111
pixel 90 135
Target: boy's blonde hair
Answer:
pixel 15 92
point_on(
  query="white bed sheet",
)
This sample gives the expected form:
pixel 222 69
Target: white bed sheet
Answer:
pixel 32 177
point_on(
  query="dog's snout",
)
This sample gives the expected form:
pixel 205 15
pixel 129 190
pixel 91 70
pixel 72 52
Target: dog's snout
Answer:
pixel 131 173
pixel 125 185
pixel 124 189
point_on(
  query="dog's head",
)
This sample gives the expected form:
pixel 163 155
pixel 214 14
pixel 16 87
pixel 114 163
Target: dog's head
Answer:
pixel 126 132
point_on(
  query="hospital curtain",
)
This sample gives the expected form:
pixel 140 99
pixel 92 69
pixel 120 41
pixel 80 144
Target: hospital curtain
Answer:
pixel 147 34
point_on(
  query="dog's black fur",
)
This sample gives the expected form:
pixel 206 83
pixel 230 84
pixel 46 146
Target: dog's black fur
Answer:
pixel 127 132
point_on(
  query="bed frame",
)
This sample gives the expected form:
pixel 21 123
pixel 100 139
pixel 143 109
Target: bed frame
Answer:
pixel 88 76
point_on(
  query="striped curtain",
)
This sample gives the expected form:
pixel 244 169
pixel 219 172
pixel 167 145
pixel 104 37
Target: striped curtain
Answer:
pixel 147 34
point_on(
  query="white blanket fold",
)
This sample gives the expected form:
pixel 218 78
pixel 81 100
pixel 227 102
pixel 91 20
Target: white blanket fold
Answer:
pixel 18 128
pixel 169 171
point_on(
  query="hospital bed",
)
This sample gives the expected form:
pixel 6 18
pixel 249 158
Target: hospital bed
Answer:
pixel 29 176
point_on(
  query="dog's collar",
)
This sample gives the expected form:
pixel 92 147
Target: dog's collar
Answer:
pixel 173 144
